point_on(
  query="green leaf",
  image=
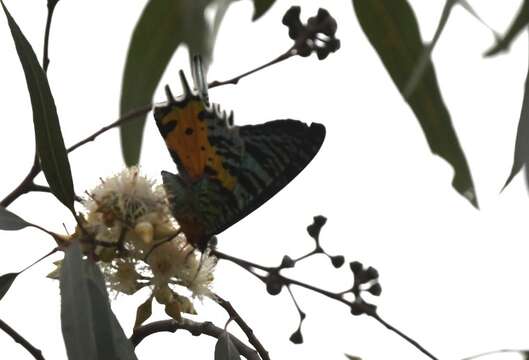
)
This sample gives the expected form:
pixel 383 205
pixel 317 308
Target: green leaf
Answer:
pixel 425 58
pixel 351 357
pixel 392 29
pixel 143 312
pixel 90 329
pixel 163 27
pixel 521 150
pixel 50 144
pixel 261 7
pixel 6 281
pixel 10 221
pixel 520 22
pixel 226 349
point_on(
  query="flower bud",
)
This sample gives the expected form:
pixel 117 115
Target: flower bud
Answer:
pixel 145 231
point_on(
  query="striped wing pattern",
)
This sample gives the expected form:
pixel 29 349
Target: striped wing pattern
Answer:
pixel 225 172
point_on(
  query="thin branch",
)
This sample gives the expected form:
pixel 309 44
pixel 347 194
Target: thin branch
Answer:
pixel 236 79
pixel 274 274
pixel 403 335
pixel 242 263
pixel 195 328
pixel 234 315
pixel 40 259
pixel 502 351
pixel 41 188
pixel 45 57
pixel 26 183
pixel 36 353
pixel 125 118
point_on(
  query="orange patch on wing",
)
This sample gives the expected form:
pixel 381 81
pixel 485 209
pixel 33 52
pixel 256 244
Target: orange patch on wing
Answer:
pixel 189 140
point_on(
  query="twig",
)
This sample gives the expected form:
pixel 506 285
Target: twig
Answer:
pixel 41 188
pixel 45 58
pixel 236 79
pixel 37 354
pixel 195 328
pixel 23 187
pixel 234 315
pixel 402 335
pixel 274 274
pixel 53 251
pixel 127 117
pixel 520 351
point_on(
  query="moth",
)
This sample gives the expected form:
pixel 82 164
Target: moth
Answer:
pixel 226 171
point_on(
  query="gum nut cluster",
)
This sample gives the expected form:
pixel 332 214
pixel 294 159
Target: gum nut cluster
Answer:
pixel 129 229
pixel 317 35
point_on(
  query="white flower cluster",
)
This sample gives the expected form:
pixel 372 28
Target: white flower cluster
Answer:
pixel 130 230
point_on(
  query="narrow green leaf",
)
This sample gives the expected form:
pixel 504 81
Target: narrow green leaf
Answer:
pixel 50 144
pixel 6 281
pixel 520 22
pixel 261 7
pixel 90 329
pixel 392 29
pixel 351 357
pixel 521 149
pixel 163 26
pixel 225 349
pixel 10 221
pixel 143 312
pixel 121 344
pixel 76 310
pixel 425 58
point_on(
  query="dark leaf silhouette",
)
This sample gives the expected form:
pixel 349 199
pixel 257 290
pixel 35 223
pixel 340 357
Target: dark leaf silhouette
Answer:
pixel 521 150
pixel 226 349
pixel 10 221
pixel 351 357
pixel 6 281
pixel 392 29
pixel 90 329
pixel 261 7
pixel 50 144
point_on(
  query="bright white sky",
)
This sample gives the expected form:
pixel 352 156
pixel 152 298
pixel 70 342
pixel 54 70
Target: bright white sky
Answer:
pixel 453 278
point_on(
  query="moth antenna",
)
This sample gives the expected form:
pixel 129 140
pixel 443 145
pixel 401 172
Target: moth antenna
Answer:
pixel 169 94
pixel 185 84
pixel 65 229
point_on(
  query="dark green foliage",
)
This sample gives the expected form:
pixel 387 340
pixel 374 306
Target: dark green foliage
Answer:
pixel 10 221
pixel 226 349
pixel 6 281
pixel 261 7
pixel 392 29
pixel 90 329
pixel 521 150
pixel 50 144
